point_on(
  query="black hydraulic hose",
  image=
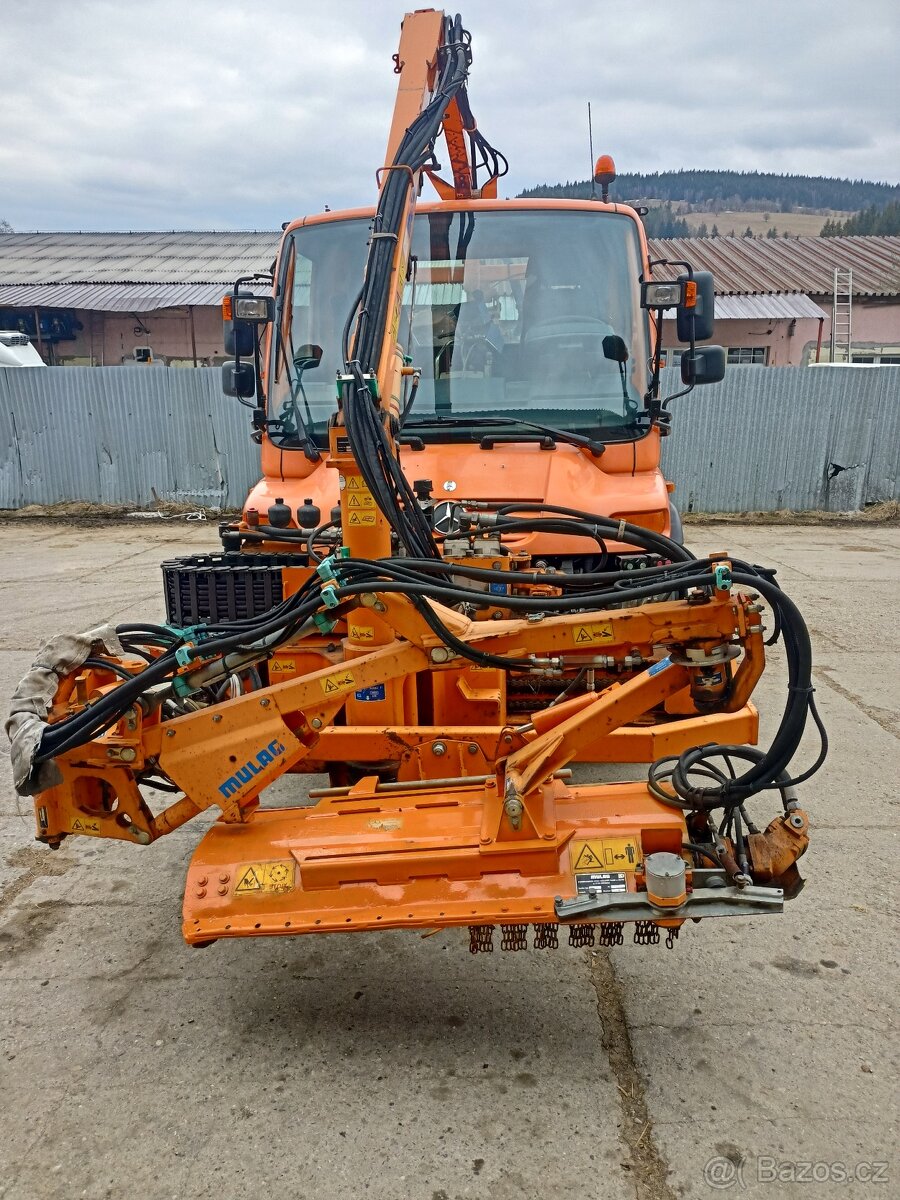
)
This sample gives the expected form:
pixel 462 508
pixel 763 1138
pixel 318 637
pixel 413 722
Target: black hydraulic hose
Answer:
pixel 634 535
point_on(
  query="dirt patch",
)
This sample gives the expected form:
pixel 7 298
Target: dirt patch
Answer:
pixel 80 514
pixel 885 513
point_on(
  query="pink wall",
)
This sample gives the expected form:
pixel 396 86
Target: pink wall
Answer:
pixel 108 339
pixel 790 343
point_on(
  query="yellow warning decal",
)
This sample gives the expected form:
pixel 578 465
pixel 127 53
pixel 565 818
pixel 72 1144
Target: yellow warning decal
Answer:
pixel 361 518
pixel 362 633
pixel 84 825
pixel 590 635
pixel 282 666
pixel 606 854
pixel 360 500
pixel 355 483
pixel 333 684
pixel 265 877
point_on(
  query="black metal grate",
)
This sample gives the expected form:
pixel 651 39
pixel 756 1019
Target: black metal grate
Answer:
pixel 222 587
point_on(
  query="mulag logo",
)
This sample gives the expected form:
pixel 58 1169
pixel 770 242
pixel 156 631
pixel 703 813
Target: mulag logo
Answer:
pixel 244 774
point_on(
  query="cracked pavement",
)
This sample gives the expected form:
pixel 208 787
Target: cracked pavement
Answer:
pixel 392 1065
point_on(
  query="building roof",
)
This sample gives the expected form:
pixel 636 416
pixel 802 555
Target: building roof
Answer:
pixel 142 272
pixel 766 308
pixel 754 266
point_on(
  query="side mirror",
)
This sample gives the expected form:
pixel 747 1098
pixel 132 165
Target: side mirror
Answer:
pixel 238 379
pixel 702 313
pixel 307 356
pixel 703 366
pixel 614 348
pixel 240 340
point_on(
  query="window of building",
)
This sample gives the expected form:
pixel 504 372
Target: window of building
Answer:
pixel 744 355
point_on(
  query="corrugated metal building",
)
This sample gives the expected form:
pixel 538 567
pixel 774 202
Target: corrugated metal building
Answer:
pixel 109 298
pixel 103 299
pixel 773 271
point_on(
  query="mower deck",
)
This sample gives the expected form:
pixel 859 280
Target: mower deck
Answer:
pixel 375 859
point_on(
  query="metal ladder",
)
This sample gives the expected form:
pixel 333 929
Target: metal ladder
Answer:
pixel 842 315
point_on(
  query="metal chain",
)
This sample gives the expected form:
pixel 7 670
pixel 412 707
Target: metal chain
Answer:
pixel 546 936
pixel 646 933
pixel 610 933
pixel 672 938
pixel 481 939
pixel 581 935
pixel 513 937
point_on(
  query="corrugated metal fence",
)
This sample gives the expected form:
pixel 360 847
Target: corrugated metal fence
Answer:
pixel 802 438
pixel 122 435
pixel 764 439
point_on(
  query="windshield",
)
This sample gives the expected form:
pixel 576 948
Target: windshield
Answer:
pixel 516 314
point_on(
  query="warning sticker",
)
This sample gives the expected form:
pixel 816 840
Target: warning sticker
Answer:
pixel 590 635
pixel 282 666
pixel 361 633
pixel 361 518
pixel 265 877
pixel 83 825
pixel 332 684
pixel 355 483
pixel 601 881
pixel 606 854
pixel 360 500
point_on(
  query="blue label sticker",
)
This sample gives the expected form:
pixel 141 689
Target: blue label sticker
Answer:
pixel 377 692
pixel 660 666
pixel 499 589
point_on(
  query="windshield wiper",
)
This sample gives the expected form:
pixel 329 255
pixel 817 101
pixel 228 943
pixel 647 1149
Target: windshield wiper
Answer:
pixel 562 435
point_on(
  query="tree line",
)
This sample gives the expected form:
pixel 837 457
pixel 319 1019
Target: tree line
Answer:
pixel 738 190
pixel 871 221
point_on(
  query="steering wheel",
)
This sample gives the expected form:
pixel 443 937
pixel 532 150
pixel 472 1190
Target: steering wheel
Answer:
pixel 560 327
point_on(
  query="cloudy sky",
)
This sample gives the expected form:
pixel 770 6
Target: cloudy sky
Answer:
pixel 218 114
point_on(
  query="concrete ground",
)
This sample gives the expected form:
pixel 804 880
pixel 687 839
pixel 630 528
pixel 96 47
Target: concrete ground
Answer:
pixel 757 1058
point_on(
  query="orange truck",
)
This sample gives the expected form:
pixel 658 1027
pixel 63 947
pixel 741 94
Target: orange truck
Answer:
pixel 460 575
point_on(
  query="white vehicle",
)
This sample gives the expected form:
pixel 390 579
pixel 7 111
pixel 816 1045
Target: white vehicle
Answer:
pixel 16 350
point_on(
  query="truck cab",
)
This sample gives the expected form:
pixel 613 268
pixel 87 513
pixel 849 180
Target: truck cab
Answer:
pixel 16 350
pixel 529 359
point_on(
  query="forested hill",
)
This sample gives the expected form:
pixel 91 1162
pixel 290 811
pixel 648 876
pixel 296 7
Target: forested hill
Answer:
pixel 739 190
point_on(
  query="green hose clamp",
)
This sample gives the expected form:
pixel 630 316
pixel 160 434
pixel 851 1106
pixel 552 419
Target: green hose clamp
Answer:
pixel 722 576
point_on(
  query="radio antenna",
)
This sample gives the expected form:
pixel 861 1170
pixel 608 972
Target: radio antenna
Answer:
pixel 591 144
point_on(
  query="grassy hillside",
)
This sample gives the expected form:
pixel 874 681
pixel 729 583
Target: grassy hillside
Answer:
pixel 739 191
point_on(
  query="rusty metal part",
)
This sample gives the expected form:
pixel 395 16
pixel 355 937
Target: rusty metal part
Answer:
pixel 774 853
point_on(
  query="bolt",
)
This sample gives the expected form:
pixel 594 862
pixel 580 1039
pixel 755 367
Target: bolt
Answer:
pixel 264 703
pixel 201 892
pixel 473 747
pixel 170 733
pixel 439 748
pixel 128 754
pixel 217 717
pixel 224 877
pixel 498 566
pixel 797 821
pixel 202 881
pixel 507 739
pixel 316 723
pixel 223 891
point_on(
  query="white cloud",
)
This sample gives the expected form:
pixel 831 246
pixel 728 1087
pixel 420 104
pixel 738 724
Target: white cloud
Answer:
pixel 219 113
